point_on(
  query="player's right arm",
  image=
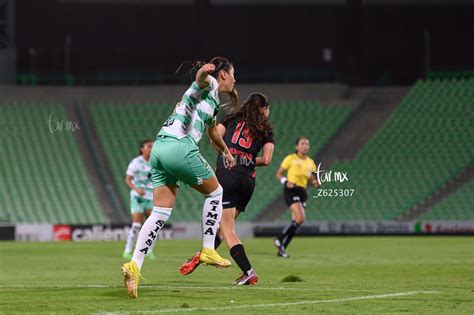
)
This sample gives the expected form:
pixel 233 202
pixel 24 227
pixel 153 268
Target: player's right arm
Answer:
pixel 202 76
pixel 221 130
pixel 219 143
pixel 128 181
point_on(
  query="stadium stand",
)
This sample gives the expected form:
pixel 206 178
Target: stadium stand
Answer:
pixel 43 176
pixel 426 142
pixel 292 120
pixel 457 207
pixel 120 127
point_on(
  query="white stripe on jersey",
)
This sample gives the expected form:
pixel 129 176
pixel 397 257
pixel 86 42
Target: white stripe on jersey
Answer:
pixel 139 170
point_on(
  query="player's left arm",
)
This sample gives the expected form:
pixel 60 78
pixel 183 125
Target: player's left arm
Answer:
pixel 267 155
pixel 219 143
pixel 313 180
pixel 221 130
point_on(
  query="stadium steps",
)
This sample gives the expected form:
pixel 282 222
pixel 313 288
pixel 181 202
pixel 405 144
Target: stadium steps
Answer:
pixel 277 206
pixel 424 144
pixel 458 206
pixel 368 116
pixel 89 164
pixel 120 126
pixel 44 179
pixel 448 190
pixel 290 120
pixel 97 167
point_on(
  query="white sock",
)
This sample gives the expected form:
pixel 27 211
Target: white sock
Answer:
pixel 149 233
pixel 132 236
pixel 211 217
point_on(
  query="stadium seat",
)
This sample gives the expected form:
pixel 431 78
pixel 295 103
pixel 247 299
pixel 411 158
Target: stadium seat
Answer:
pixel 44 179
pixel 425 143
pixel 121 126
pixel 457 207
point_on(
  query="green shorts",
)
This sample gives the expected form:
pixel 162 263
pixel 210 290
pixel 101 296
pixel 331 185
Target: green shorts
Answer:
pixel 173 160
pixel 139 204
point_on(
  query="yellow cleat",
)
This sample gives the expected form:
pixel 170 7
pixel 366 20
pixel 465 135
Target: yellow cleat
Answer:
pixel 132 277
pixel 211 257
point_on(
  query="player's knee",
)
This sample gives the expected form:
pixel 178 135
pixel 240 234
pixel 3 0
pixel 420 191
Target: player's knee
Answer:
pixel 300 219
pixel 218 191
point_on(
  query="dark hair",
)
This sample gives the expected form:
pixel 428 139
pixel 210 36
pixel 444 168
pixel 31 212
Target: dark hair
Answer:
pixel 142 144
pixel 221 63
pixel 256 122
pixel 298 141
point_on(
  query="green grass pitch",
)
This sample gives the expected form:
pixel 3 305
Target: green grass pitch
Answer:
pixel 348 275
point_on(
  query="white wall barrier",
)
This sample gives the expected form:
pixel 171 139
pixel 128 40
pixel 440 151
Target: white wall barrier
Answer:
pixel 33 232
pixel 103 232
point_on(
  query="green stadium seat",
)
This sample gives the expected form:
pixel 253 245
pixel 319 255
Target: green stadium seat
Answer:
pixel 121 126
pixel 44 179
pixel 425 143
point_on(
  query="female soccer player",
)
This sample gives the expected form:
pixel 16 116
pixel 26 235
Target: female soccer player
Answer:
pixel 246 132
pixel 175 157
pixel 138 178
pixel 300 170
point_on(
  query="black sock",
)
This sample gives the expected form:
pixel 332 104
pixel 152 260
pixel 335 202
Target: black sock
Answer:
pixel 284 232
pixel 217 242
pixel 238 253
pixel 289 233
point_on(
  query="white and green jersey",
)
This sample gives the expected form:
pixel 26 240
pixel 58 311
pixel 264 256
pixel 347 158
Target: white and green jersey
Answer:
pixel 139 170
pixel 194 113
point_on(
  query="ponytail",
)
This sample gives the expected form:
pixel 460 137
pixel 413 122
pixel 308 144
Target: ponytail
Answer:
pixel 221 63
pixel 232 106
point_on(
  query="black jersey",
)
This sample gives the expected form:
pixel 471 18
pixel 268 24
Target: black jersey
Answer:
pixel 242 146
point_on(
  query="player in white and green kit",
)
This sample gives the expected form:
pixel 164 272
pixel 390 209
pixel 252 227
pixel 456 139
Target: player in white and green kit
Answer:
pixel 138 178
pixel 175 158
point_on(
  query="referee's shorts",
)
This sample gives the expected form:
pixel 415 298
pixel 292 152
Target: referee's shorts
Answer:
pixel 295 194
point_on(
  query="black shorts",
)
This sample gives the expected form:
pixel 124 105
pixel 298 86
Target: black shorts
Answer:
pixel 296 194
pixel 238 188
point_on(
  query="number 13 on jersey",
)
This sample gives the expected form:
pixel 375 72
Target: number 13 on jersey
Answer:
pixel 242 137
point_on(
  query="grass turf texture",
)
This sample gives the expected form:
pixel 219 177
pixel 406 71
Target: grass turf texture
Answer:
pixel 339 275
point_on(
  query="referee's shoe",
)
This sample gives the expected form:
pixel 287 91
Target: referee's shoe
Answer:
pixel 281 249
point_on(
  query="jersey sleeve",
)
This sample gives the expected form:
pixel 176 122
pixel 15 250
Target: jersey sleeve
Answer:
pixel 269 137
pixel 213 85
pixel 131 169
pixel 286 162
pixel 197 91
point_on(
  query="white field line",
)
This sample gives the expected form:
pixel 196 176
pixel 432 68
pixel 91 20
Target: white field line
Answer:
pixel 167 287
pixel 341 300
pixel 223 308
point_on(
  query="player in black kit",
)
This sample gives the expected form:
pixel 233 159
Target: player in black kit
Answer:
pixel 245 132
